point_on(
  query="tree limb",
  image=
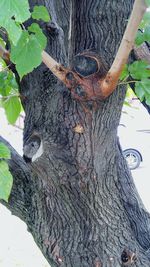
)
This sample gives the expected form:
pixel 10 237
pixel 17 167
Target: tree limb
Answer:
pixel 100 83
pixel 19 197
pixel 90 86
pixel 142 52
pixel 57 69
pixel 110 82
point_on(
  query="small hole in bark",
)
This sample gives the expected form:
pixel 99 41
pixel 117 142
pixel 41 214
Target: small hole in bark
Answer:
pixel 125 257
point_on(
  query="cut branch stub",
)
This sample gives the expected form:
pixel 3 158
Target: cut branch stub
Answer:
pixel 83 80
pixel 88 63
pixel 90 79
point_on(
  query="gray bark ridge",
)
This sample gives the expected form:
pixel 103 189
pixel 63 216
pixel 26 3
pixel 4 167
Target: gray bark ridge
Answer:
pixel 75 198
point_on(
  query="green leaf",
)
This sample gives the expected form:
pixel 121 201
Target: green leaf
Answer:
pixel 2 42
pixel 139 38
pixel 145 83
pixel 40 12
pixel 147 34
pixel 147 99
pixel 139 91
pixel 146 20
pixel 124 73
pixel 147 2
pixel 6 181
pixel 12 81
pixel 4 85
pixel 19 9
pixel 143 36
pixel 13 29
pixel 27 53
pixel 139 70
pixel 41 38
pixel 12 108
pixel 4 151
pixel 7 83
pixel 142 89
pixel 3 78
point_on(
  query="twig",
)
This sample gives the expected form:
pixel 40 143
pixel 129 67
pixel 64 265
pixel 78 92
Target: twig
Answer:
pixel 8 97
pixel 126 82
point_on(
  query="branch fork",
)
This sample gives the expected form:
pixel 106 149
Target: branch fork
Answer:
pixel 90 79
pixel 99 84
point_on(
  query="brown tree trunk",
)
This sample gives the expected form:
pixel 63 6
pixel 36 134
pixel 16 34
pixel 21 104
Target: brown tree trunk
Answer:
pixel 78 198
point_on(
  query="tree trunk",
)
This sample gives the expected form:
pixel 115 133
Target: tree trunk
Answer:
pixel 78 198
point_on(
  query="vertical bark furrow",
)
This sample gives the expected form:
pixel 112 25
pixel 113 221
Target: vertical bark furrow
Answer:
pixel 93 21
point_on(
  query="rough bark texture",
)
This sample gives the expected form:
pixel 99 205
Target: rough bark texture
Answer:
pixel 78 199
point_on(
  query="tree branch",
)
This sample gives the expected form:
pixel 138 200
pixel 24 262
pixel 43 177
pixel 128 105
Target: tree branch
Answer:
pixel 89 79
pixel 89 87
pixel 19 199
pixel 110 82
pixel 57 69
pixel 142 52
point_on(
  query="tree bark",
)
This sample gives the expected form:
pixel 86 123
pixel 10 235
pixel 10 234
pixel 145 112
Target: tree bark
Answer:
pixel 78 198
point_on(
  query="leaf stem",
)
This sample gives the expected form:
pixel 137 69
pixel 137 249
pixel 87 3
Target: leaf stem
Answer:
pixel 127 82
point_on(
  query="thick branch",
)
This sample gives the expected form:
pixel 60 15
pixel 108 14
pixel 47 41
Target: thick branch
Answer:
pixel 127 42
pixel 18 201
pixel 99 84
pixel 103 87
pixel 111 80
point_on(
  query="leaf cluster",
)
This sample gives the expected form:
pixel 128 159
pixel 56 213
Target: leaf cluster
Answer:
pixel 26 48
pixel 139 71
pixel 6 179
pixel 26 44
